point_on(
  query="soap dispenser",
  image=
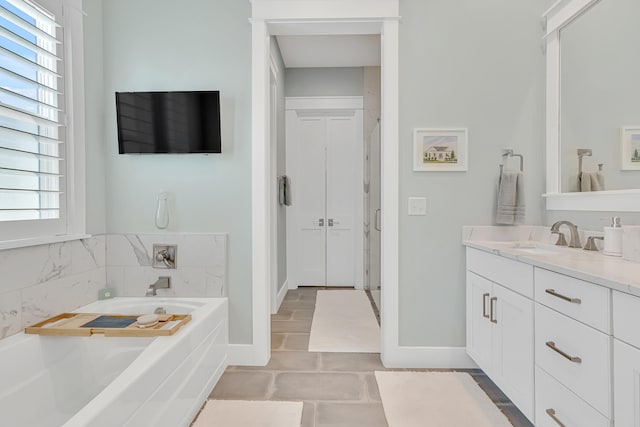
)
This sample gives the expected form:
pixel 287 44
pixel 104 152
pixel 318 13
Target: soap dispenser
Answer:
pixel 613 238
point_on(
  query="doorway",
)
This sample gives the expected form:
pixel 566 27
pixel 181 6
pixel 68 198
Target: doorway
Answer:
pixel 324 159
pixel 294 20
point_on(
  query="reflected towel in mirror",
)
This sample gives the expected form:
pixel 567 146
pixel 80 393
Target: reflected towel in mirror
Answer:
pixel 511 202
pixel 591 181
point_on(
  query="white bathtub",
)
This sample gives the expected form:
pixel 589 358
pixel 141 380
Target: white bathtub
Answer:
pixel 98 381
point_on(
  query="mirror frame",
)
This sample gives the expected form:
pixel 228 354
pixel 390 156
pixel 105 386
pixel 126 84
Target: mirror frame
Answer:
pixel 561 14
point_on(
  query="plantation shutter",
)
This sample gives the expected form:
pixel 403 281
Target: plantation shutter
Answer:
pixel 32 132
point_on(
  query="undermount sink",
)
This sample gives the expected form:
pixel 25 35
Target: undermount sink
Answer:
pixel 537 251
pixel 533 249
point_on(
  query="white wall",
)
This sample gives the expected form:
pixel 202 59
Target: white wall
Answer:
pixel 94 118
pixel 464 64
pixel 194 45
pixel 348 81
pixel 281 168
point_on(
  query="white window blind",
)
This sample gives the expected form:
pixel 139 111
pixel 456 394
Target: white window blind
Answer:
pixel 32 132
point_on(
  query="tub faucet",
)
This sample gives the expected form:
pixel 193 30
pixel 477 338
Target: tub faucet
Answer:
pixel 163 282
pixel 574 241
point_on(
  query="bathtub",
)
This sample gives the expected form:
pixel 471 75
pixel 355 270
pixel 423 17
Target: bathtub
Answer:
pixel 97 381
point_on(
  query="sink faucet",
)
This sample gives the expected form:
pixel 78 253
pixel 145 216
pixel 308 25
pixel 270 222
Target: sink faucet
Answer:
pixel 163 282
pixel 574 241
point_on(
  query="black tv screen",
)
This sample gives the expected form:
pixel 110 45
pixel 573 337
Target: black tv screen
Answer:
pixel 168 122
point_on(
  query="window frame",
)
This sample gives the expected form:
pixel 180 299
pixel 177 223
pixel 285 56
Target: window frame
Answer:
pixel 72 223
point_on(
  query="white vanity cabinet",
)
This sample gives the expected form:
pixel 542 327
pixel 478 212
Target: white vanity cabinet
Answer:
pixel 560 330
pixel 500 324
pixel 626 359
pixel 573 346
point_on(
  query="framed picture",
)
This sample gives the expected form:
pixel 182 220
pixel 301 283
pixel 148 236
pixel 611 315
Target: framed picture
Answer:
pixel 630 137
pixel 441 150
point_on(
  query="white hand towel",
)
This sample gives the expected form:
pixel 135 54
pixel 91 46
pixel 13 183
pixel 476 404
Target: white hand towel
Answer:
pixel 511 200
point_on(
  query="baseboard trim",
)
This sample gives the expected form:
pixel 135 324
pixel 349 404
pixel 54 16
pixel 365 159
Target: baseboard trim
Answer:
pixel 427 357
pixel 245 355
pixel 281 294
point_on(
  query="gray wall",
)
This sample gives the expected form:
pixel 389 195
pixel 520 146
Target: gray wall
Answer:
pixel 165 45
pixel 482 69
pixel 464 64
pixel 324 81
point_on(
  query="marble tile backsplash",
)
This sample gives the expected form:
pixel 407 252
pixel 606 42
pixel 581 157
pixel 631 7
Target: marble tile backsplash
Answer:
pixel 201 264
pixel 38 282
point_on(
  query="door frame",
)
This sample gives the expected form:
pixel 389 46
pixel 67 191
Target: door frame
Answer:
pixel 270 17
pixel 324 106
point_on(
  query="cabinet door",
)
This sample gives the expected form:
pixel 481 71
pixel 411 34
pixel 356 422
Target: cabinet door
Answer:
pixel 478 322
pixel 512 365
pixel 626 382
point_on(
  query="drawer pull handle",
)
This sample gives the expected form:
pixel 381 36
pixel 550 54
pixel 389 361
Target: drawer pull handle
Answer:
pixel 563 297
pixel 553 347
pixel 484 306
pixel 552 413
pixel 491 301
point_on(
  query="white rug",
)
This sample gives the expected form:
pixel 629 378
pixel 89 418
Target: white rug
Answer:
pixel 241 413
pixel 436 399
pixel 344 322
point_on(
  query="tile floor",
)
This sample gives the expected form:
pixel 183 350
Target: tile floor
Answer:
pixel 338 389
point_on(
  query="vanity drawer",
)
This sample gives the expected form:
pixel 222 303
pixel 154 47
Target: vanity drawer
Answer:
pixel 626 318
pixel 552 398
pixel 511 274
pixel 576 298
pixel 576 355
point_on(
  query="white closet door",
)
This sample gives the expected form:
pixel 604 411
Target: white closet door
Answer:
pixel 344 174
pixel 310 201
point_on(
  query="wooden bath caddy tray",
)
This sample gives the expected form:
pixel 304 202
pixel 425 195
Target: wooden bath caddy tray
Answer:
pixel 110 325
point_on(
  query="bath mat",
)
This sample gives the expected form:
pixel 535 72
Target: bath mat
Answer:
pixel 442 399
pixel 241 413
pixel 343 321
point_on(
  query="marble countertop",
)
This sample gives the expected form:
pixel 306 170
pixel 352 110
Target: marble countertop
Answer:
pixel 533 245
pixel 612 272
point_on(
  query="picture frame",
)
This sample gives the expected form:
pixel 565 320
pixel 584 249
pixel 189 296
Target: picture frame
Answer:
pixel 630 147
pixel 440 150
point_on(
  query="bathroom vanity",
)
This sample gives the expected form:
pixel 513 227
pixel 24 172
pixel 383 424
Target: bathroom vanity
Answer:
pixel 557 330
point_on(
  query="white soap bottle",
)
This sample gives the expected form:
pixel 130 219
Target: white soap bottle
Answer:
pixel 613 238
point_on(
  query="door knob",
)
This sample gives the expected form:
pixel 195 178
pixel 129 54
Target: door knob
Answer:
pixel 330 224
pixel 321 222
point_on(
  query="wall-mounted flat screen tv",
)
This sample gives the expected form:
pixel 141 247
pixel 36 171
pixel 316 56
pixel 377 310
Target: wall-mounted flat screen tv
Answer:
pixel 168 122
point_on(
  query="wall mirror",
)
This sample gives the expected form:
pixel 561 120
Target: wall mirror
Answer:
pixel 593 105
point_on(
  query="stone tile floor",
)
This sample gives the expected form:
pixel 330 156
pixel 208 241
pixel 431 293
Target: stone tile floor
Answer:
pixel 338 389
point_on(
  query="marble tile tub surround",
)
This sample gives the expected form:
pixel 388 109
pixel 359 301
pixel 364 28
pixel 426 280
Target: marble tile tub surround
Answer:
pixel 201 268
pixel 609 271
pixel 38 282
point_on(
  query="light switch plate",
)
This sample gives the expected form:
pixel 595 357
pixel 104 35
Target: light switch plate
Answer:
pixel 417 205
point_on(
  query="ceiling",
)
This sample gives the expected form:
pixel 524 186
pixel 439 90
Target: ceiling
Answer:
pixel 313 51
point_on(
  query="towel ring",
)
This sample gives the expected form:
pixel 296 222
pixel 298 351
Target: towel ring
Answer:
pixel 508 152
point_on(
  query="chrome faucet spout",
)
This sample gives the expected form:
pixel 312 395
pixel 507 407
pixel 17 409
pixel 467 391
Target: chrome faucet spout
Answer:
pixel 574 240
pixel 163 282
